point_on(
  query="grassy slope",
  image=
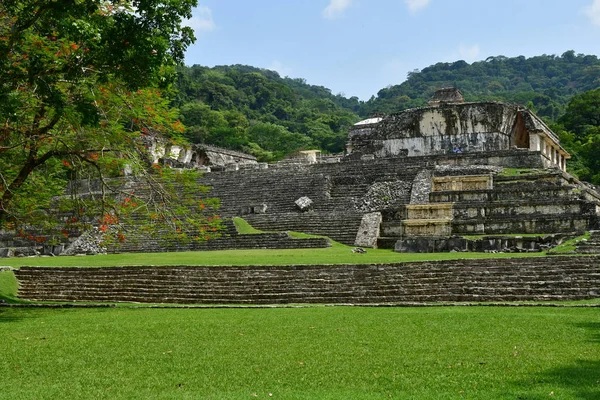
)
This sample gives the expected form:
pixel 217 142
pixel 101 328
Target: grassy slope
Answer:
pixel 8 287
pixel 244 228
pixel 313 353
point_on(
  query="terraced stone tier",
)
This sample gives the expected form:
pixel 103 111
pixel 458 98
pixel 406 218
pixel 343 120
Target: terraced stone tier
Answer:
pixel 502 194
pixel 332 187
pixel 522 279
pixel 590 246
pixel 522 224
pixel 339 226
pixel 276 240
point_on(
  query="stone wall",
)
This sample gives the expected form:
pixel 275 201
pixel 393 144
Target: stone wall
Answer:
pixel 277 240
pixel 342 192
pixel 522 279
pixel 458 128
pixel 438 130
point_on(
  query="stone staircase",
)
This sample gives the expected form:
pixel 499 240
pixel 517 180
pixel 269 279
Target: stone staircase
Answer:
pixel 490 280
pixel 547 202
pixel 590 246
pixel 533 203
pixel 230 240
pixel 339 226
pixel 335 189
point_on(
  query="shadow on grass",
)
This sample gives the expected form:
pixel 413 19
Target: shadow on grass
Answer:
pixel 594 327
pixel 9 288
pixel 580 379
pixel 8 315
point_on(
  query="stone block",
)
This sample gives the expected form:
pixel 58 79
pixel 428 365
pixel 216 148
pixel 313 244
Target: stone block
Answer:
pixel 304 203
pixel 430 211
pixel 421 187
pixel 25 252
pixel 427 227
pixel 368 232
pixel 260 209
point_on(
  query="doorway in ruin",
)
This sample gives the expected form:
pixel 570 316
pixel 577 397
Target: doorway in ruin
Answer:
pixel 520 134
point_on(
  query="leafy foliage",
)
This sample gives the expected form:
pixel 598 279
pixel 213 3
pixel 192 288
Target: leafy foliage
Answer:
pixel 79 87
pixel 241 106
pixel 257 111
pixel 579 131
pixel 544 83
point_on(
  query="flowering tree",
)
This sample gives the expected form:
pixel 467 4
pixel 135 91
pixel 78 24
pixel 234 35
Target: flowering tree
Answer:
pixel 80 83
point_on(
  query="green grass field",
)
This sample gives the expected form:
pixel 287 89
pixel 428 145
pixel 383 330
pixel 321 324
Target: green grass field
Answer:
pixel 304 353
pixel 8 286
pixel 316 352
pixel 337 254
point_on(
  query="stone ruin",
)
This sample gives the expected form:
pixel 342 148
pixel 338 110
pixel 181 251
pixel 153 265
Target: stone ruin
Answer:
pixel 452 176
pixel 446 95
pixel 453 126
pixel 200 156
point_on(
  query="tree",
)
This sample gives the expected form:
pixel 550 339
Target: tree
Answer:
pixel 583 111
pixel 73 97
pixel 277 139
pixel 579 130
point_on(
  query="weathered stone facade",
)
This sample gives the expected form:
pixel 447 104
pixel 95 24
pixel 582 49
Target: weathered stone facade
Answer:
pixel 458 128
pixel 195 156
pixel 443 171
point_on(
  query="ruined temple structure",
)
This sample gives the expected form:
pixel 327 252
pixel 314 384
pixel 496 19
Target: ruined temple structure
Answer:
pixel 422 180
pixel 451 125
pixel 452 176
pixel 201 156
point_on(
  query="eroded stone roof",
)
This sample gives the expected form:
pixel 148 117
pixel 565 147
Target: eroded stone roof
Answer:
pixel 447 95
pixel 368 121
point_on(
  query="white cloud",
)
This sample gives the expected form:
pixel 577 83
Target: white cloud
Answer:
pixel 593 12
pixel 469 53
pixel 336 8
pixel 416 5
pixel 283 71
pixel 202 20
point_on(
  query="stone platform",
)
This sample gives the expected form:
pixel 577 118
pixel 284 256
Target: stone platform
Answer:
pixel 480 280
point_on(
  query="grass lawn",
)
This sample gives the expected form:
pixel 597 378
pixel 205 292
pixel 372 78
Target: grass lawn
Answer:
pixel 337 254
pixel 307 353
pixel 8 286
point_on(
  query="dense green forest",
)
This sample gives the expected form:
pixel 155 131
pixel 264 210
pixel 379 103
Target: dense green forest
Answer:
pixel 257 111
pixel 544 83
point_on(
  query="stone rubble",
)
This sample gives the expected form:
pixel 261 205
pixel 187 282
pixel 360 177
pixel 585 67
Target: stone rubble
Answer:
pixel 304 203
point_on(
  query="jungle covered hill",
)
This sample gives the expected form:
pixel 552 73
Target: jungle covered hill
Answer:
pixel 258 111
pixel 544 83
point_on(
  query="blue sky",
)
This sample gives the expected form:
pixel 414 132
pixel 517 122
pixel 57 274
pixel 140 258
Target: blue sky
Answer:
pixel 357 47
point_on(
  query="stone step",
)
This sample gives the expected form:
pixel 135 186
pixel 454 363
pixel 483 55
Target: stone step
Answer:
pixel 519 224
pixel 503 194
pixel 452 280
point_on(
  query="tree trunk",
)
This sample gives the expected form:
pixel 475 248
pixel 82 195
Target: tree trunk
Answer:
pixel 15 185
